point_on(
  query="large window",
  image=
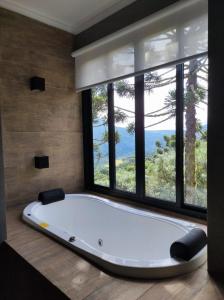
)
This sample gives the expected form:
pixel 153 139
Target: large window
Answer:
pixel 149 137
pixel 195 131
pixel 160 133
pixel 100 135
pixel 124 119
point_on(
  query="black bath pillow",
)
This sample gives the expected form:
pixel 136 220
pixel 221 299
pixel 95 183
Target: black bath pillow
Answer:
pixel 189 245
pixel 51 196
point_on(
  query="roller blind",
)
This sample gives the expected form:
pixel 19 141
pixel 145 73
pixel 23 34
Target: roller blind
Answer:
pixel 170 35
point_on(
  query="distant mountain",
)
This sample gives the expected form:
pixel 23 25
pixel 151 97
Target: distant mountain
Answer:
pixel 126 147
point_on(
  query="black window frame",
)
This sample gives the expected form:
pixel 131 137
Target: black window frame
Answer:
pixel 179 206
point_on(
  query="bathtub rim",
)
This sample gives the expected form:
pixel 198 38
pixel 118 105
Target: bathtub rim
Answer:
pixel 168 268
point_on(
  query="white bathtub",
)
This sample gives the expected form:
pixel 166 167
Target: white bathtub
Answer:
pixel 122 240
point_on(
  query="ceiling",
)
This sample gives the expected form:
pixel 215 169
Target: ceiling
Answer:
pixel 70 15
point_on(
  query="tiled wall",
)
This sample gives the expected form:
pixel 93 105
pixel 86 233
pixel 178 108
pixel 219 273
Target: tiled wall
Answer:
pixel 38 123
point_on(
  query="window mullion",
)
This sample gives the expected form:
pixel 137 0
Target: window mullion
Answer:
pixel 87 138
pixel 179 135
pixel 139 136
pixel 111 136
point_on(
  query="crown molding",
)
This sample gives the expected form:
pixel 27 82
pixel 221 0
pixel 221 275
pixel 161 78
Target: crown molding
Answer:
pixel 75 28
pixel 86 23
pixel 33 14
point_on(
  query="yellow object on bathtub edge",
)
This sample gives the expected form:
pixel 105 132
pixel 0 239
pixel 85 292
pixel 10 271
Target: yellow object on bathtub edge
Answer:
pixel 43 225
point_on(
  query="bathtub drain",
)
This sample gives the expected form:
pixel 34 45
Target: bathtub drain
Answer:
pixel 72 239
pixel 100 242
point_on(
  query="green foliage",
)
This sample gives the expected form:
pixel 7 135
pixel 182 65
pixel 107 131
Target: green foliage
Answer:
pixel 158 144
pixel 131 128
pixel 99 105
pixel 119 116
pixel 201 174
pixel 125 175
pixel 101 175
pixel 159 166
pixel 197 95
pixel 117 137
pixel 124 89
pixel 160 172
pixel 160 175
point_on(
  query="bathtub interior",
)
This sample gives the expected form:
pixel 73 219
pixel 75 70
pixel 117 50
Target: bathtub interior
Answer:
pixel 114 229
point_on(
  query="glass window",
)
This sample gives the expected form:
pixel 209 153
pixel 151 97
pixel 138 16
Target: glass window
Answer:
pixel 160 133
pixel 195 131
pixel 124 115
pixel 116 168
pixel 100 135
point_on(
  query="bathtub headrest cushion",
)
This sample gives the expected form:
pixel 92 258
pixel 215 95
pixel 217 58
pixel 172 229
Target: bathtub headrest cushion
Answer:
pixel 189 245
pixel 51 196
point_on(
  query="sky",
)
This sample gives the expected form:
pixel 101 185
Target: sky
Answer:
pixel 153 102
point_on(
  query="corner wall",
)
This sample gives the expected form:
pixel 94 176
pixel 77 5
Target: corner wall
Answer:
pixel 2 192
pixel 216 139
pixel 38 123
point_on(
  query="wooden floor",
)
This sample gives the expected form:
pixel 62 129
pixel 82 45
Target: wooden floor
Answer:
pixel 81 280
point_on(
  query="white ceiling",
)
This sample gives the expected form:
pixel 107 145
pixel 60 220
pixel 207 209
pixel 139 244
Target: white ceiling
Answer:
pixel 70 15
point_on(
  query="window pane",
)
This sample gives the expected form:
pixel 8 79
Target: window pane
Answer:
pixel 160 134
pixel 124 113
pixel 100 135
pixel 195 132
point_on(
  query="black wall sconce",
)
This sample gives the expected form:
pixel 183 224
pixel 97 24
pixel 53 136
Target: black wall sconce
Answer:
pixel 37 84
pixel 41 162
